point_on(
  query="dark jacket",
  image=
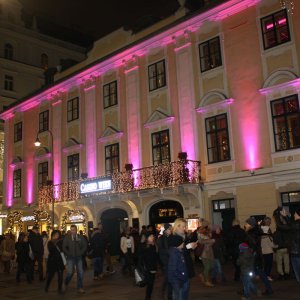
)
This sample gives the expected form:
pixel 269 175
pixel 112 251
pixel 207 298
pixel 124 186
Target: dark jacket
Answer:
pixel 236 236
pixel 177 268
pixel 295 242
pixel 246 261
pixel 253 238
pixel 97 244
pixel 218 247
pixel 282 235
pixel 36 242
pixel 76 247
pixel 22 251
pixel 149 257
pixel 54 262
pixel 163 249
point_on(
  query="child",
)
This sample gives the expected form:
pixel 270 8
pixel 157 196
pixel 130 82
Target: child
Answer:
pixel 246 262
pixel 177 270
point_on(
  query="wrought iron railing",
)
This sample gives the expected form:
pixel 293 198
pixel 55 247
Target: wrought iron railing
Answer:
pixel 159 176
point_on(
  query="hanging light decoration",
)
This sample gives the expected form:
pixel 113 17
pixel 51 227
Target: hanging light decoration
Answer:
pixel 288 5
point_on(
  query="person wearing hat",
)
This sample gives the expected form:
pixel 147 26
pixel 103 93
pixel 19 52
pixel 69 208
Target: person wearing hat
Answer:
pixel 37 247
pixel 163 252
pixel 177 268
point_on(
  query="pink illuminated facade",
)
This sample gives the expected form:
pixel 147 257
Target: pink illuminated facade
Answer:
pixel 221 86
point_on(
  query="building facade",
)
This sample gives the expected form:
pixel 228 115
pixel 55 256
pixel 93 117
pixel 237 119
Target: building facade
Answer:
pixel 221 87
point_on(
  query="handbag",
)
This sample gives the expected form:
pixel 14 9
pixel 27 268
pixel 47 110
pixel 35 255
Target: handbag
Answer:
pixel 140 276
pixel 63 257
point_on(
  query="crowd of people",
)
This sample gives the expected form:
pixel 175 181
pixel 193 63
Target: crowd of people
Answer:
pixel 173 250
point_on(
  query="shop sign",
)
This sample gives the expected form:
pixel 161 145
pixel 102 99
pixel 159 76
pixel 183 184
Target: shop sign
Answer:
pixel 76 218
pixel 94 186
pixel 27 218
pixel 2 216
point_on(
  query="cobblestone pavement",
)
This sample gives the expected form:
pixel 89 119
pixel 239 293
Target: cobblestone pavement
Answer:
pixel 121 287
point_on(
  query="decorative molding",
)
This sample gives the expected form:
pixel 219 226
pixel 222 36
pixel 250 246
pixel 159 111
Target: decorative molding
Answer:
pixel 89 83
pixel 278 87
pixel 17 163
pixel 280 74
pixel 157 119
pixel 221 104
pixel 42 154
pixel 72 145
pixel 109 134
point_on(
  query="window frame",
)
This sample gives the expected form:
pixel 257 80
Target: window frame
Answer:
pixel 231 204
pixel 209 42
pixel 8 83
pixel 216 139
pixel 111 157
pixel 44 123
pixel 17 183
pixel 160 146
pixel 74 108
pixel 110 94
pixel 42 170
pixel 8 51
pixel 18 132
pixel 157 76
pixel 263 32
pixel 285 116
pixel 71 166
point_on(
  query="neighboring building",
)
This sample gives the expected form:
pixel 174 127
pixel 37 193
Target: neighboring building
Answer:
pixel 221 85
pixel 25 54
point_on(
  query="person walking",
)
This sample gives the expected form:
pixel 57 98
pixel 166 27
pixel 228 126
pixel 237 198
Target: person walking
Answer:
pixel 55 262
pixel 127 248
pixel 97 246
pixel 295 244
pixel 7 252
pixel 74 246
pixel 37 247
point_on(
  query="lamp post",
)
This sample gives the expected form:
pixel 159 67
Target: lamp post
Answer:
pixel 37 143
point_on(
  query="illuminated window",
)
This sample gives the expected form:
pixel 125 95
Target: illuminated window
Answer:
pixel 44 61
pixel 275 29
pixel 157 75
pixel 110 95
pixel 219 205
pixel 8 51
pixel 44 121
pixel 73 167
pixel 8 83
pixel 167 212
pixel 18 132
pixel 42 174
pixel 73 109
pixel 210 54
pixel 17 183
pixel 286 123
pixel 160 147
pixel 217 138
pixel 111 159
pixel 291 201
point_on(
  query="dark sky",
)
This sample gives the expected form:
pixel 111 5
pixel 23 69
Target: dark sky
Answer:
pixel 82 21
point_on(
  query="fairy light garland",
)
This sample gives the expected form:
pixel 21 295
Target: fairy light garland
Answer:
pixel 15 218
pixel 42 216
pixel 70 213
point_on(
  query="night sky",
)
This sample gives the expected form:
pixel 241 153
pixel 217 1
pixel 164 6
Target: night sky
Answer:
pixel 82 21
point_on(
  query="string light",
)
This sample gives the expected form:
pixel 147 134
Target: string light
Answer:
pixel 42 216
pixel 70 213
pixel 289 5
pixel 15 219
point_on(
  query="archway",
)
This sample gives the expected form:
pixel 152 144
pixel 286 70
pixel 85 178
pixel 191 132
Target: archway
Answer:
pixel 114 220
pixel 166 211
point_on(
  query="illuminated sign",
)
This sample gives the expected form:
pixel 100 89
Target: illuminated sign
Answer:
pixel 94 186
pixel 27 218
pixel 77 218
pixel 3 216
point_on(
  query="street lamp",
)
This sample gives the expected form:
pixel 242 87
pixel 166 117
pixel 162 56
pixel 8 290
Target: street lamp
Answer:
pixel 37 143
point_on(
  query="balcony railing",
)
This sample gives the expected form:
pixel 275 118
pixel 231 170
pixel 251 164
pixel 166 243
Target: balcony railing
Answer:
pixel 159 176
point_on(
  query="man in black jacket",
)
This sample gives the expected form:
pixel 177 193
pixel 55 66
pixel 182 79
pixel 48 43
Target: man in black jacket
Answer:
pixel 295 244
pixel 37 247
pixel 97 245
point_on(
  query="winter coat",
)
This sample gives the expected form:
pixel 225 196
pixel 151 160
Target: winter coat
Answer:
pixel 54 262
pixel 149 257
pixel 22 251
pixel 7 249
pixel 246 261
pixel 74 247
pixel 123 244
pixel 295 234
pixel 163 249
pixel 97 244
pixel 266 241
pixel 218 247
pixel 36 243
pixel 253 238
pixel 177 268
pixel 283 231
pixel 236 236
pixel 208 244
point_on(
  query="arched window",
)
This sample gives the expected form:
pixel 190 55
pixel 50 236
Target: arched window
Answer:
pixel 44 61
pixel 8 51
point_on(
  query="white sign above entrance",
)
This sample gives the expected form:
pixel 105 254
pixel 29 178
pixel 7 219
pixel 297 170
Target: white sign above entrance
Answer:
pixel 94 186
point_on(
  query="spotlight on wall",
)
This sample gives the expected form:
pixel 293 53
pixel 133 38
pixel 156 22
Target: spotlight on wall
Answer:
pixel 252 172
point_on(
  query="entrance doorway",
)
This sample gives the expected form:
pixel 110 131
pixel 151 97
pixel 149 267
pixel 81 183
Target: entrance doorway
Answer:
pixel 114 221
pixel 223 214
pixel 166 211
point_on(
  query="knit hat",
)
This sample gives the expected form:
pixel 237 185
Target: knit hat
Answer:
pixel 251 221
pixel 175 240
pixel 243 247
pixel 167 226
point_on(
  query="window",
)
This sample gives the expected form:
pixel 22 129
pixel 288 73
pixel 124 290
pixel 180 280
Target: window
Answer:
pixel 291 201
pixel 44 61
pixel 8 83
pixel 73 167
pixel 210 54
pixel 286 123
pixel 157 75
pixel 44 121
pixel 8 51
pixel 217 138
pixel 161 147
pixel 111 159
pixel 110 94
pixel 219 205
pixel 73 109
pixel 17 183
pixel 42 174
pixel 275 29
pixel 18 132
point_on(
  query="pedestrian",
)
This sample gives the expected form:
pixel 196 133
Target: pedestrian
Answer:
pixel 7 252
pixel 246 263
pixel 177 269
pixel 45 242
pixel 267 247
pixel 149 258
pixel 163 252
pixel 74 246
pixel 295 244
pixel 55 263
pixel 84 262
pixel 24 261
pixel 127 248
pixel 37 247
pixel 97 248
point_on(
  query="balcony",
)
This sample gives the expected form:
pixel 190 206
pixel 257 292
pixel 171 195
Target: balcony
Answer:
pixel 155 177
